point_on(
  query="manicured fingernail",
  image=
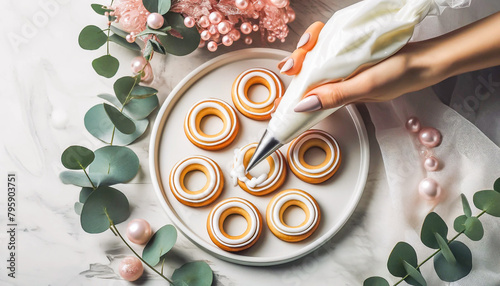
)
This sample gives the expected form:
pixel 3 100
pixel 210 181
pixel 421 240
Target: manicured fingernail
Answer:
pixel 282 62
pixel 310 103
pixel 287 66
pixel 303 40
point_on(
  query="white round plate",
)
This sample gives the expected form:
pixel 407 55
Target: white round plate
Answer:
pixel 337 197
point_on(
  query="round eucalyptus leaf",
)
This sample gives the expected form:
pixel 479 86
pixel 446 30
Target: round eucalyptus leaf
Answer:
pixel 445 249
pixel 117 39
pixel 122 87
pixel 142 92
pixel 433 223
pixel 98 124
pixel 459 223
pixel 92 38
pixel 136 108
pixel 99 9
pixel 157 6
pixel 84 194
pixel 414 275
pixel 496 185
pixel 103 202
pixel 160 243
pixel 106 66
pixel 196 273
pixel 121 122
pixel 474 229
pixel 375 281
pixel 466 206
pixel 78 208
pixel 118 163
pixel 450 272
pixel 181 40
pixel 77 157
pixel 488 201
pixel 400 253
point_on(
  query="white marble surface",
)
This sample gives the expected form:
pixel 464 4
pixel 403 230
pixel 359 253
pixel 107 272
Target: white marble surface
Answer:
pixel 48 85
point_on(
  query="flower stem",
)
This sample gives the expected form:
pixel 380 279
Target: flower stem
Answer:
pixel 86 174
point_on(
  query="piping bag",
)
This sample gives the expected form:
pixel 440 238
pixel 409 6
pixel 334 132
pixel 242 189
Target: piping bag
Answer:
pixel 355 37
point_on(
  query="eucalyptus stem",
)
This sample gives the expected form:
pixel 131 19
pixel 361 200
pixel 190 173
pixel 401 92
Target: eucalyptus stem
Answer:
pixel 88 177
pixel 115 230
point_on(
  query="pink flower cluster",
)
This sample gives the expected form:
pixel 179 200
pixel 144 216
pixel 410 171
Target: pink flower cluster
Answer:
pixel 131 14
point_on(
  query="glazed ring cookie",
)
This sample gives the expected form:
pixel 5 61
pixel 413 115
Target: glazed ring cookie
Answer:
pixel 277 207
pixel 218 215
pixel 314 174
pixel 239 93
pixel 209 192
pixel 217 108
pixel 263 184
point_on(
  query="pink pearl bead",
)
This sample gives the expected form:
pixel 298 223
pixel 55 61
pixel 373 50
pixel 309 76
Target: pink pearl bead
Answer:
pixel 291 14
pixel 431 164
pixel 212 46
pixel 155 20
pixel 215 17
pixel 248 40
pixel 227 41
pixel 139 231
pixel 235 35
pixel 429 189
pixel 204 22
pixel 224 27
pixel 246 28
pixel 205 35
pixel 148 75
pixel 130 38
pixel 131 268
pixel 255 28
pixel 413 124
pixel 241 4
pixel 271 39
pixel 430 137
pixel 189 22
pixel 213 30
pixel 137 64
pixel 279 3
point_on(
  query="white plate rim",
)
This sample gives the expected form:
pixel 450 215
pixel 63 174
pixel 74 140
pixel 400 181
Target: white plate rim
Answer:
pixel 160 120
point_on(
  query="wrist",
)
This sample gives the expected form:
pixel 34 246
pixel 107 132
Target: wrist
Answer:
pixel 430 62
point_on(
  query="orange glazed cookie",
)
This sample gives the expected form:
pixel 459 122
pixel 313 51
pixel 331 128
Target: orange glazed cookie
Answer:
pixel 217 108
pixel 278 205
pixel 318 173
pixel 239 93
pixel 218 215
pixel 263 184
pixel 209 192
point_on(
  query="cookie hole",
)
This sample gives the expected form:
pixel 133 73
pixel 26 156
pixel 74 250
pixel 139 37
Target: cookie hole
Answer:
pixel 314 156
pixel 294 216
pixel 258 93
pixel 211 124
pixel 195 180
pixel 235 225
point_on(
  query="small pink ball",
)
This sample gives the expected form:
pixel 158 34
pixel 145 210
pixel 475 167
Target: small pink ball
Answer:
pixel 213 30
pixel 205 35
pixel 235 34
pixel 431 164
pixel 279 3
pixel 204 22
pixel 430 137
pixel 130 38
pixel 248 40
pixel 291 14
pixel 255 28
pixel 148 75
pixel 241 4
pixel 246 28
pixel 155 20
pixel 212 46
pixel 131 268
pixel 413 124
pixel 189 22
pixel 139 231
pixel 271 39
pixel 224 27
pixel 429 189
pixel 215 17
pixel 227 41
pixel 138 64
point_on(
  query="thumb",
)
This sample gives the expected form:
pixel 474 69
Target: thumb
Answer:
pixel 327 96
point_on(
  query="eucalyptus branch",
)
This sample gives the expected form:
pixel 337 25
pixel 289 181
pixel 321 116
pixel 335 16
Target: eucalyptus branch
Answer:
pixel 88 177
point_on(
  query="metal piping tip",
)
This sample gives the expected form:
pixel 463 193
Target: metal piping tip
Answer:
pixel 266 147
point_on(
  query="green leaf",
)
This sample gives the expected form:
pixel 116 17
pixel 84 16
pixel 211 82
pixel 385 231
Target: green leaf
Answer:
pixel 496 185
pixel 98 124
pixel 78 208
pixel 459 223
pixel 118 163
pixel 143 92
pixel 106 66
pixel 488 201
pixel 474 229
pixel 450 272
pixel 159 32
pixel 179 46
pixel 196 273
pixel 122 87
pixel 161 243
pixel 124 43
pixel 433 223
pixel 401 252
pixel 466 206
pixel 445 249
pixel 118 32
pixel 157 47
pixel 77 157
pixel 415 274
pixel 136 108
pixel 121 122
pixel 157 6
pixel 102 202
pixel 84 194
pixel 99 9
pixel 78 178
pixel 92 38
pixel 375 281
